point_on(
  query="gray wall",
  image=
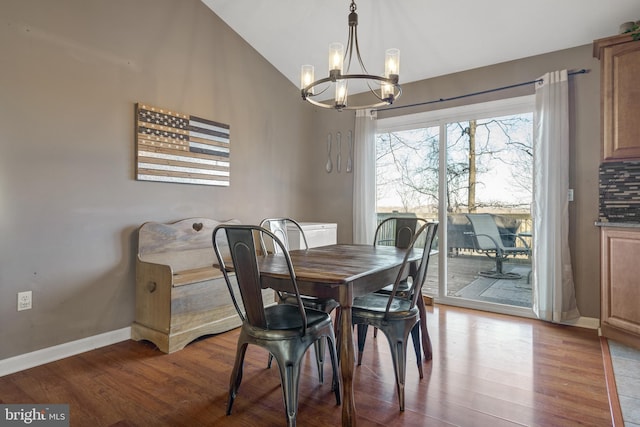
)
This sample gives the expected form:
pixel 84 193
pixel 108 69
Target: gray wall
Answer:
pixel 70 74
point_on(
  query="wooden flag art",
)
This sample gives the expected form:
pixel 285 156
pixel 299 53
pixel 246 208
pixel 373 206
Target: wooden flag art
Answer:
pixel 176 147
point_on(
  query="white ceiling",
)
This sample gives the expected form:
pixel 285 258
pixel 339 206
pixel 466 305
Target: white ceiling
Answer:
pixel 434 37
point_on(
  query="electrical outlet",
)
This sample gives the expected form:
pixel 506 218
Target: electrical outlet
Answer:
pixel 24 300
pixel 570 194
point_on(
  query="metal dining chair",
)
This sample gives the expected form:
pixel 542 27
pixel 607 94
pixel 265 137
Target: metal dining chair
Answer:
pixel 399 232
pixel 397 316
pixel 279 227
pixel 285 330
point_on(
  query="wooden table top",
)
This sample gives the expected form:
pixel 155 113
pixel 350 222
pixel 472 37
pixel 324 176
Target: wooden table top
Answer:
pixel 335 264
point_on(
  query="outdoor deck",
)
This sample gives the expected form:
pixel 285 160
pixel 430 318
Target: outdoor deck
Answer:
pixel 464 281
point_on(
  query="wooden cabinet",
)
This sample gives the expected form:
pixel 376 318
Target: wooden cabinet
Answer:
pixel 620 299
pixel 620 96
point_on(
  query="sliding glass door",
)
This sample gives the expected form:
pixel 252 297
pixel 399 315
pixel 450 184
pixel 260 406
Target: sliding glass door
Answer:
pixel 471 169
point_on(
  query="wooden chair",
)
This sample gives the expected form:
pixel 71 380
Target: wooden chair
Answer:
pixel 397 316
pixel 279 227
pixel 285 330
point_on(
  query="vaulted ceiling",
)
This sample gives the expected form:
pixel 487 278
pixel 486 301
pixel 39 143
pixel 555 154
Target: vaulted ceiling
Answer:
pixel 434 37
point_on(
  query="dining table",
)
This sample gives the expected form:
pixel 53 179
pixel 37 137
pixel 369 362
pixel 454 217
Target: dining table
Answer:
pixel 342 272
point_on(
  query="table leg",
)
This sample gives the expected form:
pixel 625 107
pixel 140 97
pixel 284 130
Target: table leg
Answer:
pixel 347 361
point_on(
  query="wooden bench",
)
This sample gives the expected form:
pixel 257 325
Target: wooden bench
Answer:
pixel 180 292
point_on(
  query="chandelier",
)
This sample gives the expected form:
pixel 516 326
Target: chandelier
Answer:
pixel 385 89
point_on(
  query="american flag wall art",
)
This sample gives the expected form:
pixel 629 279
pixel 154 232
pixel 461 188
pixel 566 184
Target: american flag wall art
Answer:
pixel 176 147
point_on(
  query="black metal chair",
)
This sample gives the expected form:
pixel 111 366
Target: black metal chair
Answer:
pixel 399 232
pixel 279 227
pixel 285 330
pixel 397 316
pixel 488 240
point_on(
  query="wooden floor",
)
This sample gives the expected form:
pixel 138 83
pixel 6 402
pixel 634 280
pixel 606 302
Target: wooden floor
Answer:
pixel 487 370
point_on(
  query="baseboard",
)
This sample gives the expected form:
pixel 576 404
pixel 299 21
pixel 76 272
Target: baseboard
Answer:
pixel 51 354
pixel 584 322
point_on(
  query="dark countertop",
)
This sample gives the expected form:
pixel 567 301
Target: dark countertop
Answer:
pixel 618 224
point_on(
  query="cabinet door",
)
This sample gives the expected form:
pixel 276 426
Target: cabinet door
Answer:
pixel 621 283
pixel 621 101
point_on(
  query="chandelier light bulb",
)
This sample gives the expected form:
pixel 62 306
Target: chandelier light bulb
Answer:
pixel 336 58
pixel 341 94
pixel 392 63
pixel 307 77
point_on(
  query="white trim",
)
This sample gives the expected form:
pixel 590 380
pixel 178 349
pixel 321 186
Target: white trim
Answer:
pixel 482 110
pixel 584 322
pixel 51 354
pixel 510 310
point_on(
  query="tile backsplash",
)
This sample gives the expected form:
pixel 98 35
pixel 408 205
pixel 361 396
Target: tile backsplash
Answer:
pixel 619 190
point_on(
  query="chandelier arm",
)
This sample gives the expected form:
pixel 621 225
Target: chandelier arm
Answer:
pixel 349 51
pixel 358 53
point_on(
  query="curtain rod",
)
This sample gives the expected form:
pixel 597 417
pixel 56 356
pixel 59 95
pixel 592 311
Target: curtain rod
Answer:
pixel 571 73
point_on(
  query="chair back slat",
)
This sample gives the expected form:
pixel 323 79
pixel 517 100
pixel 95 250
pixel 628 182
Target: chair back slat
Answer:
pixel 405 229
pixel 397 231
pixel 244 257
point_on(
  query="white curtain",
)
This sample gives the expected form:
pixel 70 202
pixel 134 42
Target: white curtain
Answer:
pixel 364 177
pixel 553 288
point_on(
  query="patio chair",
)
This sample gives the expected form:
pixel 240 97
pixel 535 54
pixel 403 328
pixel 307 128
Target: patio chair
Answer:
pixel 285 330
pixel 488 240
pixel 397 316
pixel 279 226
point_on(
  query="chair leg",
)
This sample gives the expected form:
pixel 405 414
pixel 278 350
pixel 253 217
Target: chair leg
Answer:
pixel 236 375
pixel 290 378
pixel 397 337
pixel 398 351
pixel 318 347
pixel 362 338
pixel 415 336
pixel 424 332
pixel 335 382
pixel 337 331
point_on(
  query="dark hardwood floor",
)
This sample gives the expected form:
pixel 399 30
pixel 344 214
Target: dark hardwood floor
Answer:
pixel 487 370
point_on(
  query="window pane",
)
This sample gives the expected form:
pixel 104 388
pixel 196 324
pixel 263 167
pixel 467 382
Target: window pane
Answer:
pixel 407 180
pixel 489 171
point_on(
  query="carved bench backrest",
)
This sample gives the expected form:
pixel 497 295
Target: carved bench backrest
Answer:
pixel 184 244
